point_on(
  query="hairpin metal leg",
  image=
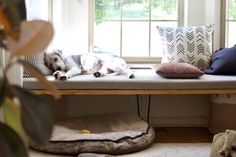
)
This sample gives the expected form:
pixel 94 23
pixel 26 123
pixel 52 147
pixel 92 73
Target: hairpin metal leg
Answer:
pixel 149 106
pixel 148 109
pixel 138 107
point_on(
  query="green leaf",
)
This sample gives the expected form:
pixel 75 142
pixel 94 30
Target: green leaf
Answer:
pixel 15 12
pixel 11 113
pixel 36 115
pixel 10 143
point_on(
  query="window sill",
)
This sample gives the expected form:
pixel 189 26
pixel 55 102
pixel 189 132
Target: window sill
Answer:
pixel 143 60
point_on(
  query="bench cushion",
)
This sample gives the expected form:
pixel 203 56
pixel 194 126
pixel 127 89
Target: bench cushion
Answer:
pixel 144 79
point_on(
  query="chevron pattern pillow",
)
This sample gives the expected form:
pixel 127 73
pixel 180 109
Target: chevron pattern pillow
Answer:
pixel 191 45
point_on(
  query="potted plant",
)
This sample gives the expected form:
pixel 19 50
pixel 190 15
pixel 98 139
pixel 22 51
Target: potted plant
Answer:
pixel 26 116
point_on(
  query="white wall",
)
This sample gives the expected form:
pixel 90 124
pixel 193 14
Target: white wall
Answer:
pixel 212 15
pixel 67 35
pixel 200 12
pixel 166 110
pixel 195 12
pixel 37 9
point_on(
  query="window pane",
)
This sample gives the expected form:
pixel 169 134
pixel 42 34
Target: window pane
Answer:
pixel 164 10
pixel 107 36
pixel 226 33
pixel 37 9
pixel 156 43
pixel 232 9
pixel 227 9
pixel 107 10
pixel 232 34
pixel 135 39
pixel 135 9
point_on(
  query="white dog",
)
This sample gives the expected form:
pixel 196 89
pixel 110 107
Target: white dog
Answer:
pixel 99 64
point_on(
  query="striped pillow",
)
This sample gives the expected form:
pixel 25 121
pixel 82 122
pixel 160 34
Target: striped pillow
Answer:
pixel 38 62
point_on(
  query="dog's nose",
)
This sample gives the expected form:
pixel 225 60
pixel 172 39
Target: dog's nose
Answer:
pixel 59 68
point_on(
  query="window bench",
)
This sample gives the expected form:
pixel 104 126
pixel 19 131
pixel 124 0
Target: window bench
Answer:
pixel 145 82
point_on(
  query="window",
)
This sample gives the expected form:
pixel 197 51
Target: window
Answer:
pixel 37 9
pixel 128 27
pixel 229 25
pixel 124 27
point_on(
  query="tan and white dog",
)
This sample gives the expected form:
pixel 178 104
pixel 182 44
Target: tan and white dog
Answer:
pixel 99 64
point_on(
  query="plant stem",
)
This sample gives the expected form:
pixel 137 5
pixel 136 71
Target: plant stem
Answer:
pixel 9 63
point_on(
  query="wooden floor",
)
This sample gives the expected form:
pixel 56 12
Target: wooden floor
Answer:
pixel 183 135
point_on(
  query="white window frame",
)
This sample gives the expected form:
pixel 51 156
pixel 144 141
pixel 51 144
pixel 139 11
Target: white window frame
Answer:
pixel 225 23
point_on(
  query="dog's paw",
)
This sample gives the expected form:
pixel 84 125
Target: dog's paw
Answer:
pixel 63 77
pixel 132 76
pixel 97 74
pixel 56 74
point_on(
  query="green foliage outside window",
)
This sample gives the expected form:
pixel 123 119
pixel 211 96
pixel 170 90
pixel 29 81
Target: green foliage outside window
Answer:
pixel 168 5
pixel 111 9
pixel 232 10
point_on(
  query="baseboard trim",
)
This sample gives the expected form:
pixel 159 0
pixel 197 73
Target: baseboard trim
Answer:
pixel 177 121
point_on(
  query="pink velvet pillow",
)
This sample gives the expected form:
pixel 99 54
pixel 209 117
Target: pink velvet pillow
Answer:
pixel 178 70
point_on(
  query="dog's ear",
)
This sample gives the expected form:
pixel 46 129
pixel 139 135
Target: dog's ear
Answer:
pixel 59 53
pixel 44 58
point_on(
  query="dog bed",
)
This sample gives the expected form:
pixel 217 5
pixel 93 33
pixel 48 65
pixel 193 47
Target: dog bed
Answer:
pixel 110 134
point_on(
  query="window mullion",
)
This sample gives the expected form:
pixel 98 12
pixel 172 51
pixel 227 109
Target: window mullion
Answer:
pixel 227 24
pixel 50 10
pixel 150 27
pixel 223 23
pixel 121 27
pixel 91 16
pixel 180 13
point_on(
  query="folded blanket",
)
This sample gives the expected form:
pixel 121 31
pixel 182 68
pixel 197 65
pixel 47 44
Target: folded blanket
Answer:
pixel 224 144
